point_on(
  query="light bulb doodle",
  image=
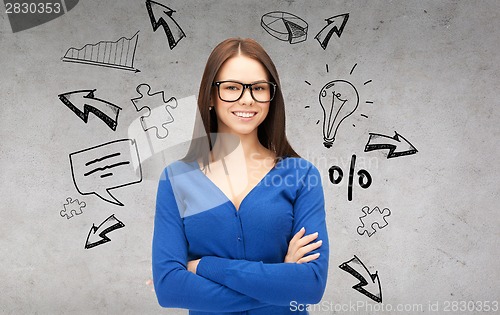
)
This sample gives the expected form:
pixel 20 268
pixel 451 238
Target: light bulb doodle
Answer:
pixel 338 100
pixel 364 179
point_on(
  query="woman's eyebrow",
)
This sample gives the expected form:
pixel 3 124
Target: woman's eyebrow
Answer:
pixel 237 81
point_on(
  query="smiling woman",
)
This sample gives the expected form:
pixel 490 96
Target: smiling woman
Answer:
pixel 233 100
pixel 229 238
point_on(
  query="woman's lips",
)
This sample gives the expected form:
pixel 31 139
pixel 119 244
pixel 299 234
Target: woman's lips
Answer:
pixel 246 115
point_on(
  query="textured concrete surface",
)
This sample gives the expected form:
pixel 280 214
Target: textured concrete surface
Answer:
pixel 434 71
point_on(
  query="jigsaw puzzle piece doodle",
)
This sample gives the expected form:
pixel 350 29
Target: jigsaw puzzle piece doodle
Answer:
pixel 373 218
pixel 155 110
pixel 71 208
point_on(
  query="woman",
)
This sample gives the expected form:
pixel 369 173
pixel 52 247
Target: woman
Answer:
pixel 231 217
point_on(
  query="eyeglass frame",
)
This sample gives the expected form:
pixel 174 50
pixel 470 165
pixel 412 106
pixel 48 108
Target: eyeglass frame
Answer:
pixel 245 86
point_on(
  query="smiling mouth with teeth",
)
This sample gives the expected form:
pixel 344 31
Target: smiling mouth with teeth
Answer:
pixel 245 114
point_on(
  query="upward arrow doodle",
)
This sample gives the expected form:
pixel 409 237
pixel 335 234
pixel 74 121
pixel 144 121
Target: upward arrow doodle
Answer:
pixel 172 29
pixel 332 26
pixel 83 102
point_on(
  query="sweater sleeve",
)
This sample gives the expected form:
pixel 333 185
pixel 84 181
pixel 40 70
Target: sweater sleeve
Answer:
pixel 175 286
pixel 281 283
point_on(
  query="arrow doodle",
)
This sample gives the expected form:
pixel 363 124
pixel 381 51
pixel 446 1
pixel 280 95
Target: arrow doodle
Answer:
pixel 397 147
pixel 110 224
pixel 370 288
pixel 83 102
pixel 323 37
pixel 172 29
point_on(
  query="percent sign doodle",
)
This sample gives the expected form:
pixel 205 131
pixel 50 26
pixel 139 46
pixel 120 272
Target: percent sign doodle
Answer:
pixel 364 180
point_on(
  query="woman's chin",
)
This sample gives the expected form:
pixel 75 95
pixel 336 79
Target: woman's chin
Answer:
pixel 242 130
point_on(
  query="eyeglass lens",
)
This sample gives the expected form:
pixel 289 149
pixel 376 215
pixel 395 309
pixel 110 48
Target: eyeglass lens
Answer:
pixel 232 91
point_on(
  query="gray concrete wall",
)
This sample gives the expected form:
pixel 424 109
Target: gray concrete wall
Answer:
pixel 428 70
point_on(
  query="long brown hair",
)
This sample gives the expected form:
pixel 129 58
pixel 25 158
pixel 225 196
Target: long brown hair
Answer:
pixel 271 132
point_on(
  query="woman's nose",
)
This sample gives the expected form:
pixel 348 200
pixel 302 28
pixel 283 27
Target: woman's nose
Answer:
pixel 246 98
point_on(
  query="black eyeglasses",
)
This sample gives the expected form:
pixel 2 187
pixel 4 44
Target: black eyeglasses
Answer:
pixel 232 91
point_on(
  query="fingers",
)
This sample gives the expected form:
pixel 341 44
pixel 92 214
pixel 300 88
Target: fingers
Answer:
pixel 308 258
pixel 301 245
pixel 298 235
pixel 296 245
pixel 306 240
pixel 293 246
pixel 309 248
pixel 299 240
pixel 150 284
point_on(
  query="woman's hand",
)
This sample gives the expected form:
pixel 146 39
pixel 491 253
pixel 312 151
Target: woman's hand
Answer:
pixel 300 245
pixel 192 265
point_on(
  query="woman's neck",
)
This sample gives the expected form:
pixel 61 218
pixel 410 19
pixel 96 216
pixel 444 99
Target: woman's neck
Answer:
pixel 229 145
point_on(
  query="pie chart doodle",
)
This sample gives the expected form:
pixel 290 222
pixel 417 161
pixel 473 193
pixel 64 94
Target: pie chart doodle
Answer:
pixel 285 26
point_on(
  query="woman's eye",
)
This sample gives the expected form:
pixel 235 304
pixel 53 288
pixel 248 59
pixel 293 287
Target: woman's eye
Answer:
pixel 232 88
pixel 260 87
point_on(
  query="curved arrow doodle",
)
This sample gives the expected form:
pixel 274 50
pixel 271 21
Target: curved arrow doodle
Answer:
pixel 173 31
pixel 369 288
pixel 323 37
pixel 397 147
pixel 83 102
pixel 110 224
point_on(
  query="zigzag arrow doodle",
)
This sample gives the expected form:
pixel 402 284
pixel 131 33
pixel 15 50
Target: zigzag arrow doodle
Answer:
pixel 83 102
pixel 397 145
pixel 110 224
pixel 371 287
pixel 332 26
pixel 173 31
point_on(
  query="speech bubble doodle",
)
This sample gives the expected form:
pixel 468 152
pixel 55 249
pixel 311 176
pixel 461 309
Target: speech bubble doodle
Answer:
pixel 108 166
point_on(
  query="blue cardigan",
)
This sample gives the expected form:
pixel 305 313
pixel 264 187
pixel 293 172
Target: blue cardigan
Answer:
pixel 241 270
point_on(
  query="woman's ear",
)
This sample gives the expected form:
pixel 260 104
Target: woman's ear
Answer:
pixel 212 105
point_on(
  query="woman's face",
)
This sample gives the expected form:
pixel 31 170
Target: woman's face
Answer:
pixel 241 117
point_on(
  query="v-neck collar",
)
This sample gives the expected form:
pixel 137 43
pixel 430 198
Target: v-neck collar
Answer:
pixel 210 182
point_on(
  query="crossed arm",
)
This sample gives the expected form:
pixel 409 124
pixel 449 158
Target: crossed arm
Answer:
pixel 298 247
pixel 216 284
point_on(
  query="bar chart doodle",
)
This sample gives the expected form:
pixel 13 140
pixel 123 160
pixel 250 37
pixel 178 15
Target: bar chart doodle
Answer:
pixel 119 54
